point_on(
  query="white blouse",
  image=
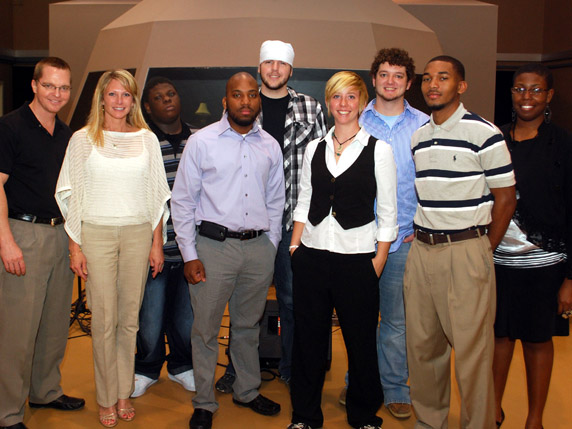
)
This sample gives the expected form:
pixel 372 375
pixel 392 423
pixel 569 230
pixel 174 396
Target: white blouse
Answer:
pixel 328 234
pixel 120 183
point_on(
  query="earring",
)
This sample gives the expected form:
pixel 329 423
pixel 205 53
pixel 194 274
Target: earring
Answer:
pixel 547 114
pixel 513 115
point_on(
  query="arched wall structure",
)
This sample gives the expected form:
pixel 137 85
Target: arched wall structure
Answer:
pixel 326 34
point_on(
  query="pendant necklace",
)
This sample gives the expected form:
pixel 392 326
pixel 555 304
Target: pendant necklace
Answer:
pixel 339 151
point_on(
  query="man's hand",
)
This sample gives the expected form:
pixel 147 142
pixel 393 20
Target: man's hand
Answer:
pixel 12 258
pixel 195 271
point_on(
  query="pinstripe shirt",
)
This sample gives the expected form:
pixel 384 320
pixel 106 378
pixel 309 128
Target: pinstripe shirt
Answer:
pixel 305 121
pixel 456 165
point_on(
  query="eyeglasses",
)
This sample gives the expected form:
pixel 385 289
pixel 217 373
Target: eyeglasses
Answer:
pixel 50 87
pixel 534 92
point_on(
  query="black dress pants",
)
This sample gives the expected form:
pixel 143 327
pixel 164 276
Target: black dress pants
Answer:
pixel 322 281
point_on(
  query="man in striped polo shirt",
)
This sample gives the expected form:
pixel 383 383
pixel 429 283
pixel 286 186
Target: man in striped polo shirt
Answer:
pixel 166 307
pixel 466 197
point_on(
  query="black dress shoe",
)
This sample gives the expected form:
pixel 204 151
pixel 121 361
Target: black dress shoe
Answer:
pixel 202 419
pixel 260 405
pixel 16 426
pixel 63 403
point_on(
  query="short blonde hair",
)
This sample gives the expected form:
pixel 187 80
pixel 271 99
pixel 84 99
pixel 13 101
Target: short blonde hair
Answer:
pixel 346 79
pixel 96 115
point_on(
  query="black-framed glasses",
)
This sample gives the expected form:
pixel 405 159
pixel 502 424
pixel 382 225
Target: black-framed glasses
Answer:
pixel 534 92
pixel 50 87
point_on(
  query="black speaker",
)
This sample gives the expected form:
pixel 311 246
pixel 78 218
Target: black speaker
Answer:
pixel 269 348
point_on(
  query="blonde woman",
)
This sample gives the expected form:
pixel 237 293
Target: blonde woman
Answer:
pixel 113 191
pixel 347 178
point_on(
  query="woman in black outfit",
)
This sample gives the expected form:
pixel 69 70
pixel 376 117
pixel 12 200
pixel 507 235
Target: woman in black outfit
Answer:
pixel 533 263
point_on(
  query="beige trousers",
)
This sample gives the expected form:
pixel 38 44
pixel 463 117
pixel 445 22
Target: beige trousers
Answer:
pixel 34 320
pixel 117 266
pixel 450 301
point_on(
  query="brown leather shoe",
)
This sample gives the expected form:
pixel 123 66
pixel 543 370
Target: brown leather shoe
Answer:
pixel 400 411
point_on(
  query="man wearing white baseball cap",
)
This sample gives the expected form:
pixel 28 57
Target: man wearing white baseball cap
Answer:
pixel 294 120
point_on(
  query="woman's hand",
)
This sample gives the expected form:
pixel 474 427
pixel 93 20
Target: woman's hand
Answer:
pixel 380 257
pixel 78 261
pixel 565 296
pixel 156 258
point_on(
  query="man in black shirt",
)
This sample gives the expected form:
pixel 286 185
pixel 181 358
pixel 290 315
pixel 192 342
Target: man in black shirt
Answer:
pixel 36 282
pixel 294 120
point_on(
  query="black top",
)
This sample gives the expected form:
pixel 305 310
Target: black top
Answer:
pixel 351 195
pixel 32 158
pixel 543 171
pixel 275 116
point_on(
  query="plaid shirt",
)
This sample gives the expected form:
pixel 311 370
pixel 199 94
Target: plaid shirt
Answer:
pixel 305 121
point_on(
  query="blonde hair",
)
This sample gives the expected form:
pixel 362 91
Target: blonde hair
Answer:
pixel 346 79
pixel 96 117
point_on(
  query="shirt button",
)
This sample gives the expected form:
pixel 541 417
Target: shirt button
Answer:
pixel 331 197
pixel 333 179
pixel 246 195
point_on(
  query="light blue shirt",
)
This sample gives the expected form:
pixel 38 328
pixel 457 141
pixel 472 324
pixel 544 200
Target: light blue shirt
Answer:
pixel 230 179
pixel 399 138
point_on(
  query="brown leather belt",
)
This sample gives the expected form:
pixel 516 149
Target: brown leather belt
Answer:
pixel 433 238
pixel 35 219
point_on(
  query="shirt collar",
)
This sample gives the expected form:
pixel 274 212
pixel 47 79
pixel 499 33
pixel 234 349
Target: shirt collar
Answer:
pixel 362 137
pixel 453 120
pixel 224 126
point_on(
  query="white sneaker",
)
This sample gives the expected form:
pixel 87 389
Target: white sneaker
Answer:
pixel 142 383
pixel 185 379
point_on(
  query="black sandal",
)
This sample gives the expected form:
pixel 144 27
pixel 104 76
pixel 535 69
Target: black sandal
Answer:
pixel 499 423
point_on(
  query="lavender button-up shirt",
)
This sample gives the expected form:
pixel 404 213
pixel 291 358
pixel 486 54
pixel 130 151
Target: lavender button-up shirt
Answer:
pixel 231 179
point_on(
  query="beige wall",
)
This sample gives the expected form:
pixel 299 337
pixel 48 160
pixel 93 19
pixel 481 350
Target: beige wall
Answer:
pixel 466 30
pixel 76 26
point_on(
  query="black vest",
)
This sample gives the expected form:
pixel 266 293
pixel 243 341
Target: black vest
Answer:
pixel 351 195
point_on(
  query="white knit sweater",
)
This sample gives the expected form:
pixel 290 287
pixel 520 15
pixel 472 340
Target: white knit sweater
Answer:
pixel 121 183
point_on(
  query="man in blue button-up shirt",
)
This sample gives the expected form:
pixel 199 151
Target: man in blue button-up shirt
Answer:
pixel 390 118
pixel 227 207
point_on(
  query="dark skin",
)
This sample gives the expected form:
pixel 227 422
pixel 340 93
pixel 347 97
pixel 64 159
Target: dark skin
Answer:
pixel 242 102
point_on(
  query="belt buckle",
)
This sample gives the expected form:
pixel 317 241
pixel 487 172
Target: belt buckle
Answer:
pixel 244 235
pixel 53 221
pixel 431 239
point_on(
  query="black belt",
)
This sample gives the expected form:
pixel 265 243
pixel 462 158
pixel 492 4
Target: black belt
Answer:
pixel 35 219
pixel 442 237
pixel 244 235
pixel 220 233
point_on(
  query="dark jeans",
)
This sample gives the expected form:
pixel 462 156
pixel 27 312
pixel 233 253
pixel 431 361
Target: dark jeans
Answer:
pixel 324 281
pixel 166 309
pixel 283 284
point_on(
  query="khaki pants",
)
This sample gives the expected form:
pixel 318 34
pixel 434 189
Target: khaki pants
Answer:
pixel 34 320
pixel 450 302
pixel 117 265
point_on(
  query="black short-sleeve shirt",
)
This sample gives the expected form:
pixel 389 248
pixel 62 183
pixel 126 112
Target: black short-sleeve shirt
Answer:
pixel 32 158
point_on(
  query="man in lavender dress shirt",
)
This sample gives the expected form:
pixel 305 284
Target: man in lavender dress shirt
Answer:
pixel 227 207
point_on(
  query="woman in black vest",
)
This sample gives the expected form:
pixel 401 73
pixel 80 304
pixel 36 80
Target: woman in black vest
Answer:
pixel 347 178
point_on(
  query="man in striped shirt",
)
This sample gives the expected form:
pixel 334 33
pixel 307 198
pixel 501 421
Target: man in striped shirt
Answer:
pixel 466 197
pixel 166 307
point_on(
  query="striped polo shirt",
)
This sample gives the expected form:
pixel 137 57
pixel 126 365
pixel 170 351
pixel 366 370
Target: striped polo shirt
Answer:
pixel 456 165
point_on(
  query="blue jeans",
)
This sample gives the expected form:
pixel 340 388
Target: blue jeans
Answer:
pixel 391 347
pixel 166 309
pixel 283 285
